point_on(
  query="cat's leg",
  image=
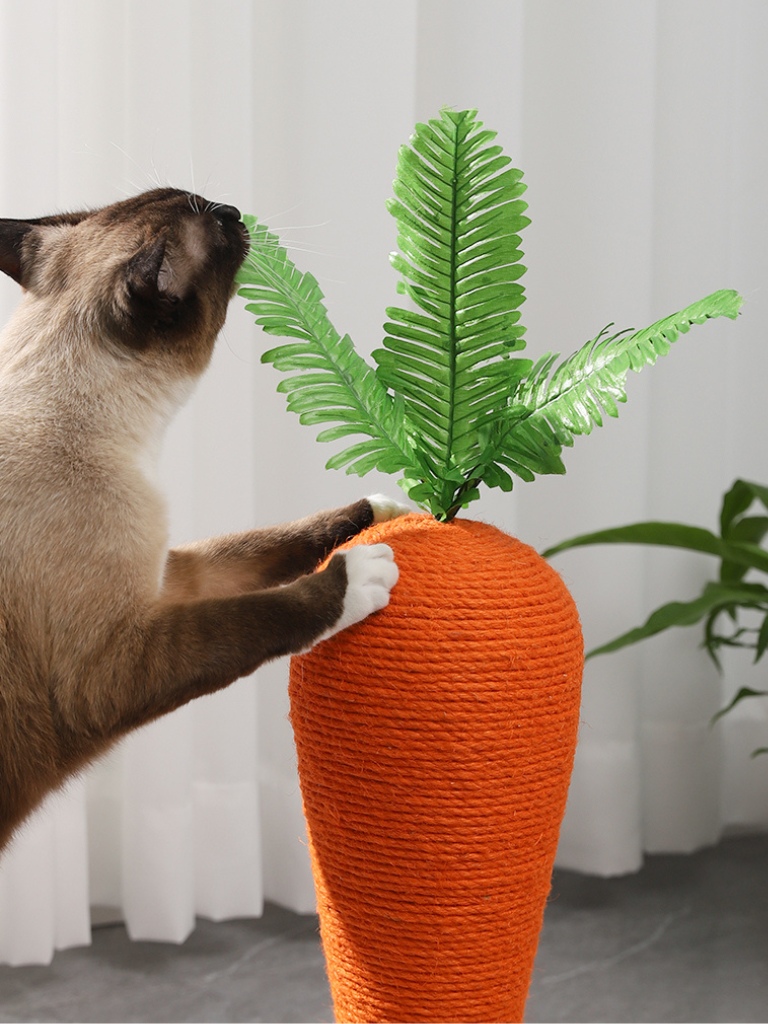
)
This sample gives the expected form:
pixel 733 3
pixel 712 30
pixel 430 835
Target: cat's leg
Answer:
pixel 191 648
pixel 258 559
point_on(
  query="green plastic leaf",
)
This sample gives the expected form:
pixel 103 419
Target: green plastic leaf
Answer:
pixel 331 382
pixel 572 398
pixel 451 403
pixel 459 217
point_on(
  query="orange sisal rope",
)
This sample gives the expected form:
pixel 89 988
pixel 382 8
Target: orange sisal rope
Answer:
pixel 435 744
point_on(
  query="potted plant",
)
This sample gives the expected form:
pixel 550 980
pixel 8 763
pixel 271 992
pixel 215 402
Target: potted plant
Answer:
pixel 721 601
pixel 435 740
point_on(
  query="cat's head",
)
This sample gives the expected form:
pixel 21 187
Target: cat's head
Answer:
pixel 150 277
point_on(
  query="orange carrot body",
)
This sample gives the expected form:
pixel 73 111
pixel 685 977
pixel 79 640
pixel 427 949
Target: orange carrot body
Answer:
pixel 435 744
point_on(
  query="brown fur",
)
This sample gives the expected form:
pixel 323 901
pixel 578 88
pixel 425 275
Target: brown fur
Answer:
pixel 101 629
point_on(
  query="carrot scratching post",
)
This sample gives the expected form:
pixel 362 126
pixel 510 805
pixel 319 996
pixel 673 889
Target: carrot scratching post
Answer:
pixel 435 744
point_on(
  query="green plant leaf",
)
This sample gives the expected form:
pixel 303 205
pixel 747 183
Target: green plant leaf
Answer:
pixel 676 535
pixel 738 549
pixel 743 694
pixel 735 526
pixel 332 383
pixel 737 500
pixel 716 598
pixel 762 640
pixel 748 530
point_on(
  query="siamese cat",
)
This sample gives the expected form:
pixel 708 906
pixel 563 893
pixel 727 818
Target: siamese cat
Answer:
pixel 102 629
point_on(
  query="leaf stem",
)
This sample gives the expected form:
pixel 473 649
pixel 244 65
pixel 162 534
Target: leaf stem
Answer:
pixel 469 485
pixel 452 341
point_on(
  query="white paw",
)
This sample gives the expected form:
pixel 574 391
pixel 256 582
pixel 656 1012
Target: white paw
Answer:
pixel 386 508
pixel 371 574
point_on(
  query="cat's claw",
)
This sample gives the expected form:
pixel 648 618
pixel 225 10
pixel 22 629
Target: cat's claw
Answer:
pixel 386 508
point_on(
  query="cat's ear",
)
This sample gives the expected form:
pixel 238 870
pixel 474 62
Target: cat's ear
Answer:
pixel 142 272
pixel 12 235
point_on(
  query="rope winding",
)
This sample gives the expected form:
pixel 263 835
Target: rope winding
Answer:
pixel 435 744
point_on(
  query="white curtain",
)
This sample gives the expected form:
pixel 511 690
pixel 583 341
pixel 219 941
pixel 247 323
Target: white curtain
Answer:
pixel 641 127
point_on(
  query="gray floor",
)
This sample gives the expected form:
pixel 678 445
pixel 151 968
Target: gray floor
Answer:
pixel 686 939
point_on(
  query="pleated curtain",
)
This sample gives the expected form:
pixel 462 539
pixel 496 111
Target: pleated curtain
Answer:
pixel 641 128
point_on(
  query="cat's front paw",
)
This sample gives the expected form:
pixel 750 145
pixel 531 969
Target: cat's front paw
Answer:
pixel 386 508
pixel 371 574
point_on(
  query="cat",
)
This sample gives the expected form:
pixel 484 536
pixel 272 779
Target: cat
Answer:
pixel 102 629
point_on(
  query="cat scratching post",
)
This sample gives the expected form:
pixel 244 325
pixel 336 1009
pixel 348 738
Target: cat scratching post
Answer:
pixel 435 744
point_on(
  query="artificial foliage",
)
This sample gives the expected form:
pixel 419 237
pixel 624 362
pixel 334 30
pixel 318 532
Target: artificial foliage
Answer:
pixel 451 403
pixel 733 609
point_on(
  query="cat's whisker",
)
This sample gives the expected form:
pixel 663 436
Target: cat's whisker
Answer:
pixel 225 339
pixel 275 217
pixel 152 179
pixel 156 174
pixel 194 191
pixel 264 253
pixel 280 241
pixel 301 227
pixel 134 187
pixel 217 202
pixel 315 250
pixel 297 248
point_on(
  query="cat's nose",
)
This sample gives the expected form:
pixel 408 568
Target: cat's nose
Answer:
pixel 223 213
